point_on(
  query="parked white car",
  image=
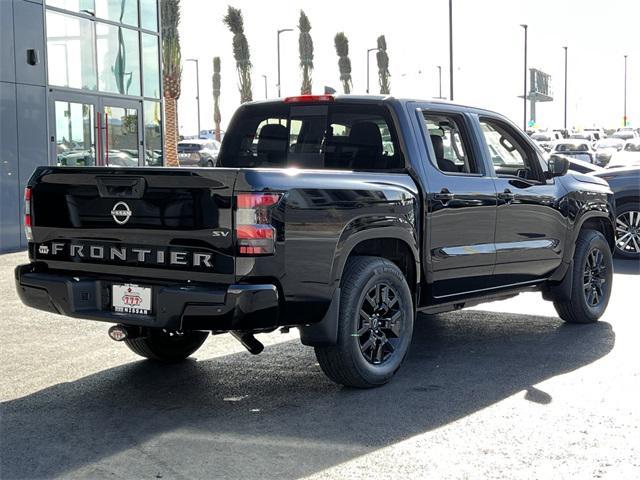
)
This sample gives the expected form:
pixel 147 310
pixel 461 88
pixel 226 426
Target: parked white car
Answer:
pixel 629 156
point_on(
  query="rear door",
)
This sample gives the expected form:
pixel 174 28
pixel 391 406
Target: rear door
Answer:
pixel 461 205
pixel 159 223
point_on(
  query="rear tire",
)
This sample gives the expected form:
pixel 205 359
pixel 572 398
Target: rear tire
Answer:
pixel 592 279
pixel 374 327
pixel 166 347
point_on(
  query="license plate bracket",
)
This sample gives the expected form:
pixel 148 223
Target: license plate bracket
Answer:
pixel 131 298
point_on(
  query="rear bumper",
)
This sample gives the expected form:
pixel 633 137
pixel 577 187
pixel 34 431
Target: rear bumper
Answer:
pixel 182 307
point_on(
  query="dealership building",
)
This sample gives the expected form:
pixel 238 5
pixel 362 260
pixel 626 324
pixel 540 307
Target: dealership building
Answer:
pixel 80 85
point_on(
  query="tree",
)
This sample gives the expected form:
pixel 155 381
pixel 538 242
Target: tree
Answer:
pixel 233 20
pixel 216 96
pixel 305 44
pixel 344 64
pixel 383 66
pixel 171 77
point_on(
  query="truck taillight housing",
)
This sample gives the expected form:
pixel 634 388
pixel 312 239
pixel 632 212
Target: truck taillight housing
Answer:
pixel 27 214
pixel 255 235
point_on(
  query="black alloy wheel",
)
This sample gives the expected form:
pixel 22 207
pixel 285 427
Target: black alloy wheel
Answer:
pixel 380 324
pixel 595 277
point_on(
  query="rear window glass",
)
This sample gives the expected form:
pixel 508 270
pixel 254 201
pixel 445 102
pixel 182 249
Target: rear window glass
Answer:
pixel 319 136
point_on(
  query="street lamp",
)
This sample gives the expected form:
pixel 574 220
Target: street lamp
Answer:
pixel 624 118
pixel 197 89
pixel 368 52
pixel 524 93
pixel 450 50
pixel 265 86
pixel 279 32
pixel 565 87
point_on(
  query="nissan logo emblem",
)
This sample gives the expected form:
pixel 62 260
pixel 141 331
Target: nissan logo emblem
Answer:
pixel 121 213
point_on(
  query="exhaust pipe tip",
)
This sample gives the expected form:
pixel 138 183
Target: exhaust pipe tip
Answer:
pixel 118 333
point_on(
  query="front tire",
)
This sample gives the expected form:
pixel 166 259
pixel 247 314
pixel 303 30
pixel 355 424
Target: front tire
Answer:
pixel 374 327
pixel 592 279
pixel 166 347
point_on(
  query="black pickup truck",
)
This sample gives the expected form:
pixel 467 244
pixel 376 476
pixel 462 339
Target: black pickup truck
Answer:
pixel 343 216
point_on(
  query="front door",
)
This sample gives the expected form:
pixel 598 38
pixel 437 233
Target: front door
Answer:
pixel 91 130
pixel 531 229
pixel 461 207
pixel 74 122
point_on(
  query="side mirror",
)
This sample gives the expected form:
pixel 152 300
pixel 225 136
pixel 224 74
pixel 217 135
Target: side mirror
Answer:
pixel 558 166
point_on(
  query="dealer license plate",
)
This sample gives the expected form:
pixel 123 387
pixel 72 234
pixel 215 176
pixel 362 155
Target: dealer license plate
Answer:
pixel 131 298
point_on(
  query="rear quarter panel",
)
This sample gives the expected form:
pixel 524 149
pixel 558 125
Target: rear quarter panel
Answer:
pixel 322 216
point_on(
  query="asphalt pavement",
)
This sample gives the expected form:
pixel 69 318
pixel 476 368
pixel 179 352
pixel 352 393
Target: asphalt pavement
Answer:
pixel 505 390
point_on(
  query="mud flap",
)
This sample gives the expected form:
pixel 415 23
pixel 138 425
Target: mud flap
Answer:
pixel 560 291
pixel 325 332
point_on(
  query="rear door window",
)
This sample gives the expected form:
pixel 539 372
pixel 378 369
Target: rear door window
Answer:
pixel 333 136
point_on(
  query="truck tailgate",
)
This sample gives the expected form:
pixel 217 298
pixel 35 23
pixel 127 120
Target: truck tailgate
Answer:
pixel 159 223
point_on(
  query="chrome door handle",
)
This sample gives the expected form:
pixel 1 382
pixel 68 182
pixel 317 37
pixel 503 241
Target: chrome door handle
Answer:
pixel 507 196
pixel 444 196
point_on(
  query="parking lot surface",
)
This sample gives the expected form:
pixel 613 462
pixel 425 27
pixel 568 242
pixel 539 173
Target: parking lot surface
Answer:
pixel 506 390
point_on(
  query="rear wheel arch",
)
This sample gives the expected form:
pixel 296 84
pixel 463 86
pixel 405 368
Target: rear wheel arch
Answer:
pixel 394 246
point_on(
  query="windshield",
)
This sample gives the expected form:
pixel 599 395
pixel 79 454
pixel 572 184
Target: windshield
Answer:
pixel 623 135
pixel 609 143
pixel 542 137
pixel 585 157
pixel 572 147
pixel 313 136
pixel 632 147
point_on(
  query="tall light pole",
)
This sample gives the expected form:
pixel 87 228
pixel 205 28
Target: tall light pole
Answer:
pixel 565 87
pixel 197 89
pixel 368 52
pixel 439 81
pixel 624 118
pixel 524 93
pixel 266 95
pixel 450 50
pixel 282 30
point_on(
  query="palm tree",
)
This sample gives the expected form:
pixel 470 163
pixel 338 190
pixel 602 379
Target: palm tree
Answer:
pixel 383 66
pixel 305 44
pixel 216 96
pixel 171 77
pixel 344 64
pixel 233 20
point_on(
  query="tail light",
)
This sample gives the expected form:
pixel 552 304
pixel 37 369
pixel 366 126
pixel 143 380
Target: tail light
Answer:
pixel 254 233
pixel 27 214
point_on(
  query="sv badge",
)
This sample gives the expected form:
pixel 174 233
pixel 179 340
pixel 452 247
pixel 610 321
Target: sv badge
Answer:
pixel 219 233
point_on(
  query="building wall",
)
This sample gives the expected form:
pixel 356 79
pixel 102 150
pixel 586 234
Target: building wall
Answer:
pixel 27 98
pixel 23 111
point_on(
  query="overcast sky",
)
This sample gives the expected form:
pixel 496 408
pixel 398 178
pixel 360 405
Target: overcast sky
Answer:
pixel 488 52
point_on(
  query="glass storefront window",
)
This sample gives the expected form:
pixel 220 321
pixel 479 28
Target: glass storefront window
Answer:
pixel 118 60
pixel 120 11
pixel 153 134
pixel 149 14
pixel 151 70
pixel 78 6
pixel 70 51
